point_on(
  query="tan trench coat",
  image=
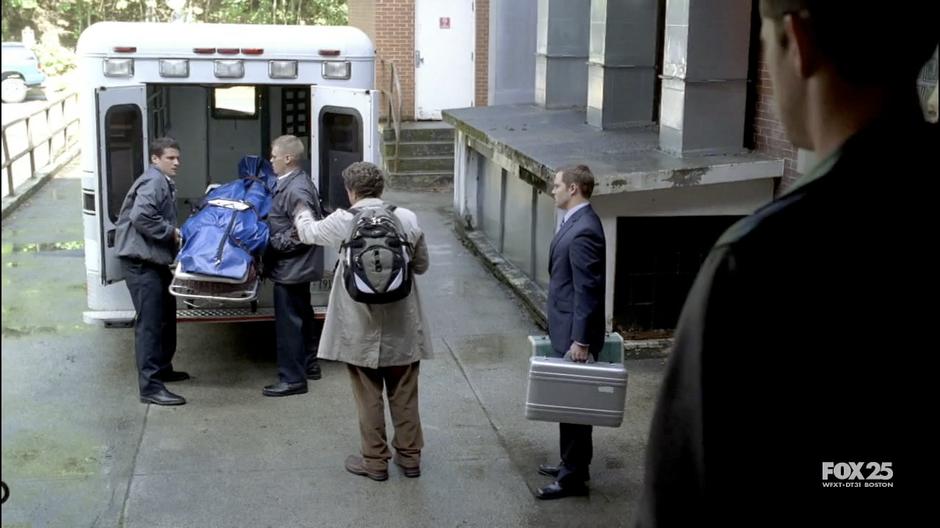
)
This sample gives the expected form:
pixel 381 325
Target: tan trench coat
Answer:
pixel 364 335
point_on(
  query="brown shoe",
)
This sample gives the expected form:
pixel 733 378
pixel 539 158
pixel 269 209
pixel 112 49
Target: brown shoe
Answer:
pixel 355 466
pixel 409 471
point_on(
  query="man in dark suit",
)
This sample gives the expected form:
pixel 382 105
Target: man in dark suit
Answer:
pixel 292 266
pixel 147 241
pixel 576 322
pixel 789 361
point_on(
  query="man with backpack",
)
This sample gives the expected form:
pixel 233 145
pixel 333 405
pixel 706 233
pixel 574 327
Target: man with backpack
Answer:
pixel 375 323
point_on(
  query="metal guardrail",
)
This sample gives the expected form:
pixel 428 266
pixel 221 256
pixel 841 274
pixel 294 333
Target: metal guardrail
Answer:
pixel 67 108
pixel 392 97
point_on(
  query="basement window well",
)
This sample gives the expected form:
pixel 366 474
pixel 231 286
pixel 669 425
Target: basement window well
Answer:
pixel 658 258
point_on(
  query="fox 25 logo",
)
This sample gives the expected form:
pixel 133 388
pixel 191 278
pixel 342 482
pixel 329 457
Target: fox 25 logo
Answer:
pixel 857 470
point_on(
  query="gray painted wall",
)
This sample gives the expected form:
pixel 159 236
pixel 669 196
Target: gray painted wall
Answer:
pixel 187 124
pixel 512 51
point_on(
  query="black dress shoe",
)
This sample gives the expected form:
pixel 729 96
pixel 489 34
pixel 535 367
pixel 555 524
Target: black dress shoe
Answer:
pixel 549 470
pixel 285 389
pixel 162 397
pixel 553 471
pixel 313 371
pixel 173 375
pixel 557 491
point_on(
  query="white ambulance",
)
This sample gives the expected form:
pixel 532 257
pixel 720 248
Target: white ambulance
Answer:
pixel 223 91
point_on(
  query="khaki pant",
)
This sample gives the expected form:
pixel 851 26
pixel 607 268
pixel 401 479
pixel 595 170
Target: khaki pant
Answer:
pixel 401 386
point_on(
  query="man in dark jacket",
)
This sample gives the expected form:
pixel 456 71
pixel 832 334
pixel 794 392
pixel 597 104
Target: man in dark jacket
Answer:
pixel 576 322
pixel 792 395
pixel 147 240
pixel 292 265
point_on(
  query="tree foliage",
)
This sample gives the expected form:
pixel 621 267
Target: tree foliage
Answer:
pixel 68 18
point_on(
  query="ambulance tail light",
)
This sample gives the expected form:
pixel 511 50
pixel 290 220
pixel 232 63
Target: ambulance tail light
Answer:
pixel 282 69
pixel 337 70
pixel 229 69
pixel 119 67
pixel 174 68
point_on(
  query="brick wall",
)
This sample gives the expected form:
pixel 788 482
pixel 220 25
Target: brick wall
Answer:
pixel 769 136
pixel 395 41
pixel 482 54
pixel 362 16
pixel 390 24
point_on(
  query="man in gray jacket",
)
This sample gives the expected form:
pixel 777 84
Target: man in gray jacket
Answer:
pixel 292 265
pixel 147 241
pixel 382 344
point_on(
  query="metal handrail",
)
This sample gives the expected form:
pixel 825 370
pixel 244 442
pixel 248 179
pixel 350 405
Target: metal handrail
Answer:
pixel 68 140
pixel 393 98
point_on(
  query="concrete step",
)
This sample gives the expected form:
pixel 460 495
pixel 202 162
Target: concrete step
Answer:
pixel 411 133
pixel 425 164
pixel 421 181
pixel 419 149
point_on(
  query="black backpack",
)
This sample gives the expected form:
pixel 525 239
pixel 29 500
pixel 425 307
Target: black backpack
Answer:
pixel 378 257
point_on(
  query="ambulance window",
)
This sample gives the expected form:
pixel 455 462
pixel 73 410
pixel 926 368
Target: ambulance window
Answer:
pixel 235 102
pixel 340 146
pixel 125 148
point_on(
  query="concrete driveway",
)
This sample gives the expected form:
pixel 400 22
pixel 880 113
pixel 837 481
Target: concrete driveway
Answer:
pixel 78 449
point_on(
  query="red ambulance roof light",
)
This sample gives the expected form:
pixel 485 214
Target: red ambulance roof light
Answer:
pixel 125 49
pixel 204 51
pixel 252 51
pixel 329 52
pixel 228 51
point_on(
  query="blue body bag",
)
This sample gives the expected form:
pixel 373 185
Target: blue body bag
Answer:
pixel 228 232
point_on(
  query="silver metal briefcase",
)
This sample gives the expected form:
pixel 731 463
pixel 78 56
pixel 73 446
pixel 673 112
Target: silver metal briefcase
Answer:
pixel 581 393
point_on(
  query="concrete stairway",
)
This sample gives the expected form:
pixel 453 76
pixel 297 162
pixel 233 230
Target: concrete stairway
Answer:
pixel 425 156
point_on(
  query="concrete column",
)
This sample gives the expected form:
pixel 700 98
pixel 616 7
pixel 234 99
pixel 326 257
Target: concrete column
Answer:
pixel 622 62
pixel 512 51
pixel 704 76
pixel 561 53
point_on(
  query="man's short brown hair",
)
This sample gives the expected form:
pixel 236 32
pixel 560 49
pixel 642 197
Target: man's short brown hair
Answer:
pixel 866 43
pixel 364 179
pixel 160 144
pixel 581 176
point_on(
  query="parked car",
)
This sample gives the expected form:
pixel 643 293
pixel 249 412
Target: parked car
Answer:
pixel 20 72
